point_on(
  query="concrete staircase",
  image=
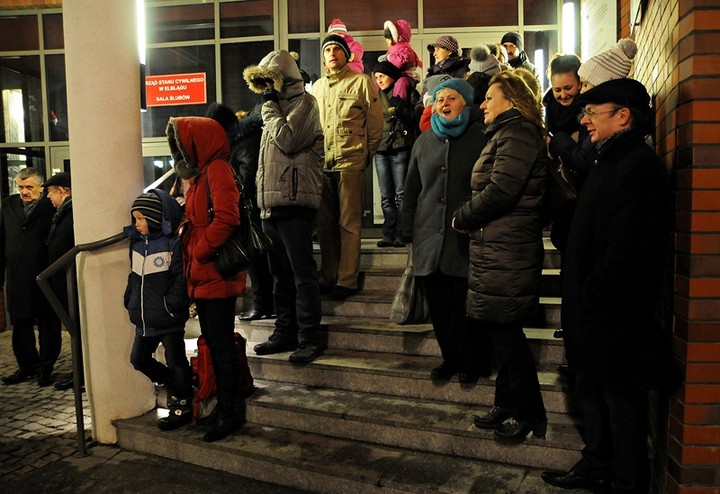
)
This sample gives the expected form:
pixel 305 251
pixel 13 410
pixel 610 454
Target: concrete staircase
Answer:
pixel 365 416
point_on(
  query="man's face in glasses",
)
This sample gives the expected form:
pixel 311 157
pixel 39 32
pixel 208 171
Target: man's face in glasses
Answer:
pixel 602 120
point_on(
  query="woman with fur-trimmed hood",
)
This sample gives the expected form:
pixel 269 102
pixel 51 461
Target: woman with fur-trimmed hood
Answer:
pixel 201 151
pixel 289 186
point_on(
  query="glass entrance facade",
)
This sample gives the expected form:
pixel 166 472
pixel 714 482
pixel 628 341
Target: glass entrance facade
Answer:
pixel 219 39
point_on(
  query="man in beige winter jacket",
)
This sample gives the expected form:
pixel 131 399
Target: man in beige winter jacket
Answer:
pixel 351 118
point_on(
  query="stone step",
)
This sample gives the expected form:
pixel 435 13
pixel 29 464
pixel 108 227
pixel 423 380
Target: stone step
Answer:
pixel 388 280
pixel 408 423
pixel 373 257
pixel 406 376
pixel 323 464
pixel 383 336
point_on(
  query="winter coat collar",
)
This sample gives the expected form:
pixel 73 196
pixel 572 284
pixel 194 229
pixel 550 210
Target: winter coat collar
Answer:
pixel 502 119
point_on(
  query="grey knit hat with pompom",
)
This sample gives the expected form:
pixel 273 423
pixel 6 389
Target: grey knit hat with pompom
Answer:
pixel 611 64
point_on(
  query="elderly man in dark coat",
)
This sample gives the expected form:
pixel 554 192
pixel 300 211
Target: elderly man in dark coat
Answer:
pixel 612 275
pixel 60 240
pixel 24 226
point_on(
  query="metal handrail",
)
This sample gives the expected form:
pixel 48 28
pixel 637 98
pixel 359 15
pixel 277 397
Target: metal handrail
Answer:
pixel 69 318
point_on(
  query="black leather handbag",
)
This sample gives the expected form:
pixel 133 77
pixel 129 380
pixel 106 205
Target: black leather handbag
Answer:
pixel 561 192
pixel 247 243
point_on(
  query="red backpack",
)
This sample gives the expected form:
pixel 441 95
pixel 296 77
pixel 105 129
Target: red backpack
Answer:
pixel 204 377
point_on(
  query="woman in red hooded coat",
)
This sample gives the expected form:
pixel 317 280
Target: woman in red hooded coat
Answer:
pixel 201 151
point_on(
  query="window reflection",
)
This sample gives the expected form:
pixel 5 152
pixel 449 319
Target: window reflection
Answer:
pixel 303 16
pixel 540 11
pixel 179 23
pixel 19 33
pixel 246 18
pixel 235 57
pixel 370 15
pixel 310 57
pixel 57 97
pixel 53 31
pixel 178 60
pixel 469 13
pixel 12 160
pixel 21 90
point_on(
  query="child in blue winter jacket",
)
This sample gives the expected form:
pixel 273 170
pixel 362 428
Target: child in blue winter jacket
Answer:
pixel 157 300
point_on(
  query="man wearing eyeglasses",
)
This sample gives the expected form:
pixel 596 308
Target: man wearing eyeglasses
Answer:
pixel 612 276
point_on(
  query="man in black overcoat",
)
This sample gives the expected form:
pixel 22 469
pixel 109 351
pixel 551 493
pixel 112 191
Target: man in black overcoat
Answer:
pixel 612 276
pixel 24 225
pixel 60 240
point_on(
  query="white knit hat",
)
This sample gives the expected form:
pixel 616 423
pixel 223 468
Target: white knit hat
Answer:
pixel 337 27
pixel 614 63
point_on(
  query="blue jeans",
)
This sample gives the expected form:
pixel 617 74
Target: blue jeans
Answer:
pixel 391 168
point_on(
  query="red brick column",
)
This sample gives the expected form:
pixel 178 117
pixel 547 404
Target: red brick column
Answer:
pixel 679 61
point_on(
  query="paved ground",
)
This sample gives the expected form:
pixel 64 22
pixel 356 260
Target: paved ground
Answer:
pixel 38 449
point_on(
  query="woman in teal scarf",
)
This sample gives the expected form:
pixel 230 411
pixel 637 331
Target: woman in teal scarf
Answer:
pixel 438 181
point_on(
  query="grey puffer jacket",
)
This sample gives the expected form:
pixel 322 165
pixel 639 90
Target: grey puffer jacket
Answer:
pixel 291 147
pixel 503 218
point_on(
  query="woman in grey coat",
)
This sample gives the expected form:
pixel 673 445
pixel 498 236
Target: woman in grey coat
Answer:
pixel 438 181
pixel 506 250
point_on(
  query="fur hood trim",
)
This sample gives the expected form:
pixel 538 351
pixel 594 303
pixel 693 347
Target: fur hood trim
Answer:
pixel 280 67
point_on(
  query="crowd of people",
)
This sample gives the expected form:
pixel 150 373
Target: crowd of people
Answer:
pixel 462 163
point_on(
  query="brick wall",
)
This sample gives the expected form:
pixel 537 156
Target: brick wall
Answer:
pixel 678 61
pixel 29 4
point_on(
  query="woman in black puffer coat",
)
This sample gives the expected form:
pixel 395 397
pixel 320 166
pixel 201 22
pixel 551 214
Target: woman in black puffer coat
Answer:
pixel 506 250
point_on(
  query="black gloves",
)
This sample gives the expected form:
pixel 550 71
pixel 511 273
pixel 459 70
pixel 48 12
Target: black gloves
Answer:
pixel 269 94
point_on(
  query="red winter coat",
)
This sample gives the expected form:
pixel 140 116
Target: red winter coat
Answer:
pixel 200 148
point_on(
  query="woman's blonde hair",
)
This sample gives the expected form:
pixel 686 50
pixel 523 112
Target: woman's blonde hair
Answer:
pixel 520 94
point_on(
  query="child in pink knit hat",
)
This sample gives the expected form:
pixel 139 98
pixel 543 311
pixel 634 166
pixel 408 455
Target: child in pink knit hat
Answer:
pixel 355 62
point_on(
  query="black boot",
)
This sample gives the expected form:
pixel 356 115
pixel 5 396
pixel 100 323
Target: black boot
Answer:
pixel 227 422
pixel 180 414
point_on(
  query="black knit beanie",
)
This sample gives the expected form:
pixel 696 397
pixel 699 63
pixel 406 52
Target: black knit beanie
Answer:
pixel 150 206
pixel 513 38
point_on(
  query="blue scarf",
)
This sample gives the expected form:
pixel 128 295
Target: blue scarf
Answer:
pixel 450 128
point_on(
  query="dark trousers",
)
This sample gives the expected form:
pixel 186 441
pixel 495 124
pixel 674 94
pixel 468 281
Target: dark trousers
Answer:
pixel 464 343
pixel 217 325
pixel 517 387
pixel 261 280
pixel 297 293
pixel 28 357
pixel 176 375
pixel 615 430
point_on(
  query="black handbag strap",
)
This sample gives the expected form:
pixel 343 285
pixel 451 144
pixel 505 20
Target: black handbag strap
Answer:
pixel 244 201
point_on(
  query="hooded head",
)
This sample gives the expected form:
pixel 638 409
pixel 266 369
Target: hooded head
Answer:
pixel 195 142
pixel 481 60
pixel 398 31
pixel 611 64
pixel 281 68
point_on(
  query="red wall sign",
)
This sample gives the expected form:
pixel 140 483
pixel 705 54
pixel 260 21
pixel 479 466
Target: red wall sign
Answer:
pixel 176 89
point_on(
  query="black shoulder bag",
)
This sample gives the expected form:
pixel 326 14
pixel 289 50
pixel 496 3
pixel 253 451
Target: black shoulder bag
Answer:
pixel 247 243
